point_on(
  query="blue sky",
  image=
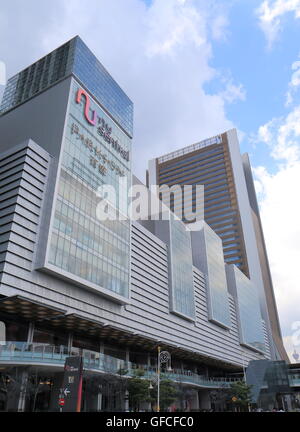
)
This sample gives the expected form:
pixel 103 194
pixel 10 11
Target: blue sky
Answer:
pixel 263 72
pixel 196 68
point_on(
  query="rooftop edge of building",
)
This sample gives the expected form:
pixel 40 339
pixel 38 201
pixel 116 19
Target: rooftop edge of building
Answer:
pixel 216 139
pixel 73 58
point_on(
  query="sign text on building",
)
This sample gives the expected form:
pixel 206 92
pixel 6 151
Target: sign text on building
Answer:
pixel 103 129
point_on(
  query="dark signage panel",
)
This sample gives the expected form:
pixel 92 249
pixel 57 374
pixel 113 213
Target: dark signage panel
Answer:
pixel 70 392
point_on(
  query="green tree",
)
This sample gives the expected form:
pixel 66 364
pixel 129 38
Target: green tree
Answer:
pixel 219 397
pixel 239 395
pixel 138 389
pixel 168 394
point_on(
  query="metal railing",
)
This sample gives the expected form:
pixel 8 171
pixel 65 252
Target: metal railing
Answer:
pixel 36 353
pixel 294 379
pixel 199 145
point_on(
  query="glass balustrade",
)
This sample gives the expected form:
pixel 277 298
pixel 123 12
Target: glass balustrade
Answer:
pixel 33 353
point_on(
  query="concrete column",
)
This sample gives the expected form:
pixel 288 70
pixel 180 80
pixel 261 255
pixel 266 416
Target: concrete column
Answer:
pixel 287 402
pixel 16 396
pixel 127 358
pixel 70 342
pixel 23 389
pixel 93 396
pixel 194 401
pixel 30 332
pixel 101 347
pixel 55 391
pixel 204 400
pixel 99 402
pixel 126 400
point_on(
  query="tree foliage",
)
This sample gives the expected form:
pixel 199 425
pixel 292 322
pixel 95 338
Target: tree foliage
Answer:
pixel 168 394
pixel 138 389
pixel 239 394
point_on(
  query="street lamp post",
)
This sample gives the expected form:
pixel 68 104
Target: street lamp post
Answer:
pixel 158 379
pixel 162 357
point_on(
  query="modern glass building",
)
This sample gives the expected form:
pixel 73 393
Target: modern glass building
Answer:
pixel 208 163
pixel 73 58
pixel 95 253
pixel 109 291
pixel 230 209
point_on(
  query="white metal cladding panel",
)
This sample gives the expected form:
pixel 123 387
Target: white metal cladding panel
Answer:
pixel 22 180
pixel 267 341
pixel 204 336
pixel 230 339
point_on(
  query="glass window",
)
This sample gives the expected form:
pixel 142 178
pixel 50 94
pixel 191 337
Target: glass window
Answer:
pixel 45 336
pixel 216 278
pixel 249 314
pixel 12 331
pixel 81 244
pixel 181 269
pixel 75 58
pixel 209 254
pixel 83 342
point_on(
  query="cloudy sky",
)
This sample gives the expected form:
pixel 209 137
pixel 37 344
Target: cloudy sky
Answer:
pixel 195 68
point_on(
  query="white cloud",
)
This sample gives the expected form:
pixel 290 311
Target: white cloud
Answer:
pixel 278 196
pixel 283 135
pixel 219 27
pixel 174 24
pixel 233 92
pixel 294 83
pixel 270 14
pixel 160 55
pixel 293 352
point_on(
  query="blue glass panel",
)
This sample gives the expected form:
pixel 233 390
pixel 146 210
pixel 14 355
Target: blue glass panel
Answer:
pixel 216 278
pixel 72 58
pixel 249 311
pixel 102 86
pixel 96 251
pixel 182 269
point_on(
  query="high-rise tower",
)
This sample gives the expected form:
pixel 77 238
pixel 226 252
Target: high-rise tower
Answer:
pixel 230 209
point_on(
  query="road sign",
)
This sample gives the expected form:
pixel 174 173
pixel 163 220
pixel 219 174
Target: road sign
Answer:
pixel 66 392
pixel 61 402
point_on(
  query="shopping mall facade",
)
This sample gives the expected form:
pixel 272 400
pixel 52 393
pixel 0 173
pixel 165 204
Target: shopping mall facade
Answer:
pixel 109 291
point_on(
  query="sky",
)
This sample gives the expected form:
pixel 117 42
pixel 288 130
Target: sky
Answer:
pixel 195 68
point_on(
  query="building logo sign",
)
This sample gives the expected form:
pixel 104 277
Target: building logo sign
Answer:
pixel 103 129
pixel 98 159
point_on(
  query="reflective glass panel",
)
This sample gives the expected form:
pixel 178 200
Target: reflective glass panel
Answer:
pixel 96 251
pixel 182 269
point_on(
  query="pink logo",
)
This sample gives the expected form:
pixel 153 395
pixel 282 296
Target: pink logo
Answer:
pixel 103 128
pixel 81 93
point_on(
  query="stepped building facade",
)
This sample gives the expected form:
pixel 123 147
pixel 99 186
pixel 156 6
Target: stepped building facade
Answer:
pixel 113 291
